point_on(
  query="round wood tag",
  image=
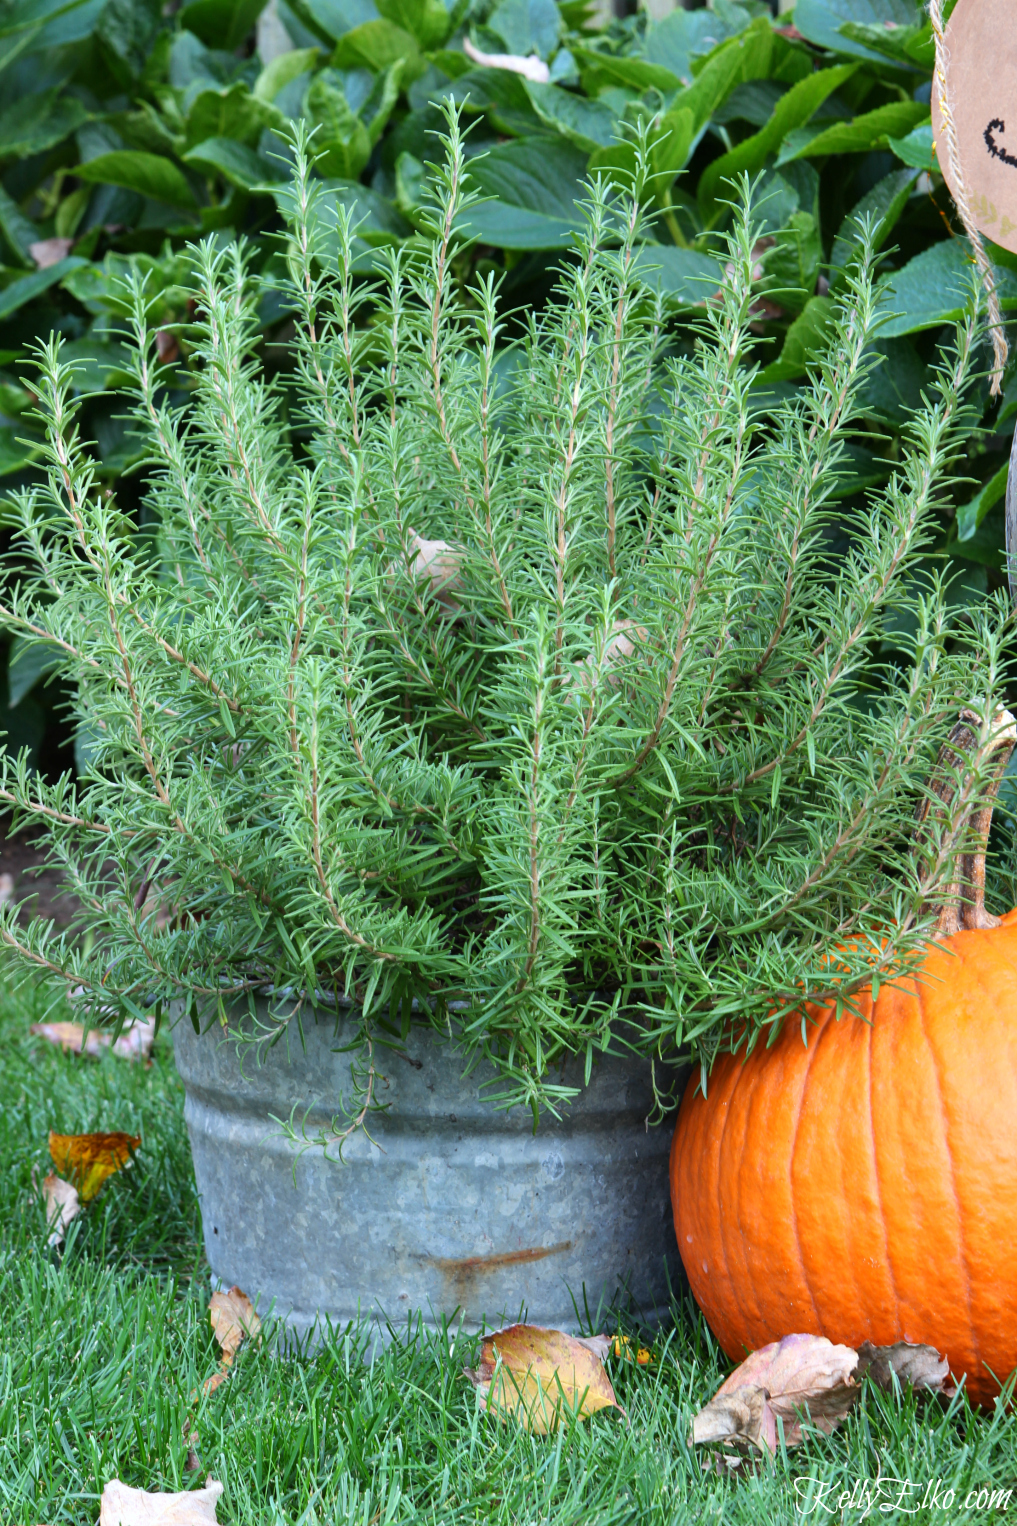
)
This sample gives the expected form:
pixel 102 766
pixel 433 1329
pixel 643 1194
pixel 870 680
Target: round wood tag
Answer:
pixel 981 42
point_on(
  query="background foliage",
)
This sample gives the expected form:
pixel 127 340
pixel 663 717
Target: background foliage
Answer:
pixel 128 129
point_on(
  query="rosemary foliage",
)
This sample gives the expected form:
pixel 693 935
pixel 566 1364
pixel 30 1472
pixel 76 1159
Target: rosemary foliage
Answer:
pixel 554 685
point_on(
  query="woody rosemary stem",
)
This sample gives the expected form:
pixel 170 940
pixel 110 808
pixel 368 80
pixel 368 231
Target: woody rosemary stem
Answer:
pixel 963 813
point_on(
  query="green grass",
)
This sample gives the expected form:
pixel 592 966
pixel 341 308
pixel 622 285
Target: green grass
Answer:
pixel 102 1348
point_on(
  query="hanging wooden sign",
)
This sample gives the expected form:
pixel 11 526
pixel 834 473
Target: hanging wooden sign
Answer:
pixel 980 58
pixel 974 123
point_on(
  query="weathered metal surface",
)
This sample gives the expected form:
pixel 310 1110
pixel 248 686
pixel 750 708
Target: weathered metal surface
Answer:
pixel 450 1207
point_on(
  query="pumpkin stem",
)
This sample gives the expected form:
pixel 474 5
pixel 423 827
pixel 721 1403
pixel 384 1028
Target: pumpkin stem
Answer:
pixel 954 818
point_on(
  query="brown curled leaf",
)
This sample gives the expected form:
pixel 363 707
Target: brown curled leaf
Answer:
pixel 739 1415
pixel 232 1318
pixel 802 1377
pixel 919 1366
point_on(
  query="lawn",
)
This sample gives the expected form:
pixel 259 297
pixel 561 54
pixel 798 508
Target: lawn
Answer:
pixel 104 1348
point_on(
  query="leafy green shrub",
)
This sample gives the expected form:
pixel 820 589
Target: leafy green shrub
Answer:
pixel 555 692
pixel 127 132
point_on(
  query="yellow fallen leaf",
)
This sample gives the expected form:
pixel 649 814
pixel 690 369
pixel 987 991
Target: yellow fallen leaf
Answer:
pixel 535 1374
pixel 62 1205
pixel 123 1506
pixel 88 1159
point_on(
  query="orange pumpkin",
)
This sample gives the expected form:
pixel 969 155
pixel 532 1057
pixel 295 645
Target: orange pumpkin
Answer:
pixel 864 1186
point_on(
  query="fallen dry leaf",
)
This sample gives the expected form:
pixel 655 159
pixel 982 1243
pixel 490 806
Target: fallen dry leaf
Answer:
pixel 232 1318
pixel 921 1366
pixel 441 564
pixel 135 1043
pixel 50 251
pixel 88 1159
pixel 734 1414
pixel 801 1376
pixel 533 1374
pixel 799 1370
pixel 62 1205
pixel 71 1037
pixel 123 1506
pixel 806 1375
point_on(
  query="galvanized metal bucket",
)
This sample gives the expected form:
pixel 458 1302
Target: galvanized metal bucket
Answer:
pixel 449 1207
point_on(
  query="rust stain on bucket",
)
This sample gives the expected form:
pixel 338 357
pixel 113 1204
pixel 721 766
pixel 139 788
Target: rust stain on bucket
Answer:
pixel 464 1276
pixel 469 1266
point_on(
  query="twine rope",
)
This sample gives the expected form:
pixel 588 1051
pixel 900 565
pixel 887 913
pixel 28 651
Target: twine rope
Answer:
pixel 960 196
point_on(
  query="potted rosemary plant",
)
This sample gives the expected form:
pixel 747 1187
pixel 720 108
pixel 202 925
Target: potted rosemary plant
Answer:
pixel 549 711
